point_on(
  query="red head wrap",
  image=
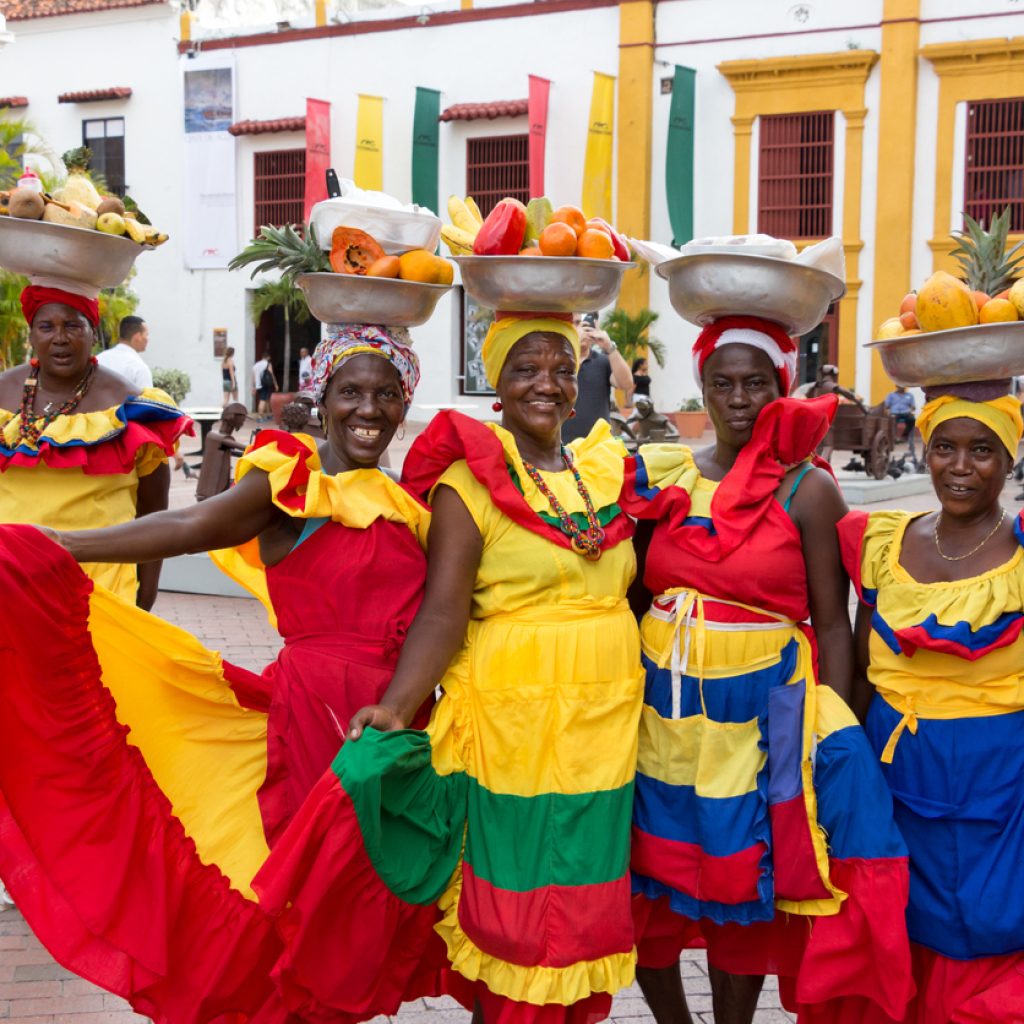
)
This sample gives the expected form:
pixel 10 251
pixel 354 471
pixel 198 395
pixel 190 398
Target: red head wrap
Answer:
pixel 36 296
pixel 769 337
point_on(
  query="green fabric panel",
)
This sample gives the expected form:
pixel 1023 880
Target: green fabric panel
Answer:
pixel 679 156
pixel 604 515
pixel 425 148
pixel 522 843
pixel 412 820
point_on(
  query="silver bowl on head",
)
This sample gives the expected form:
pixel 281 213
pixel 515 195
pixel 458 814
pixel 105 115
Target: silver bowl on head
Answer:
pixel 957 356
pixel 707 286
pixel 81 259
pixel 357 299
pixel 542 284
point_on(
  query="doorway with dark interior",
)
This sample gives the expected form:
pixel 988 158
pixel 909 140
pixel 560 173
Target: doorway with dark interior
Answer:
pixel 270 338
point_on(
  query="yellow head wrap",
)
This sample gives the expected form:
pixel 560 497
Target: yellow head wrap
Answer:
pixel 507 330
pixel 1001 415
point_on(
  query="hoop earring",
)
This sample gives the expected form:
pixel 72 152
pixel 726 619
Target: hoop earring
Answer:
pixel 400 432
pixel 496 406
pixel 572 414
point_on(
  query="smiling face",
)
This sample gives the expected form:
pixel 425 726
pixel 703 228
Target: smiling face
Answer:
pixel 362 409
pixel 537 386
pixel 968 466
pixel 62 340
pixel 739 381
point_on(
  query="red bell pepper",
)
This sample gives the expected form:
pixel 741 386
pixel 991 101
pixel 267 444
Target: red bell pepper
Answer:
pixel 502 231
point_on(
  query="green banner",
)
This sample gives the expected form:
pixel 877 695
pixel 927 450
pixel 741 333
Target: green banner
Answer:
pixel 679 156
pixel 424 148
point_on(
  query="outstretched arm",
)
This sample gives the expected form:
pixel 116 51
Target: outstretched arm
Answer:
pixel 439 629
pixel 151 498
pixel 231 518
pixel 817 507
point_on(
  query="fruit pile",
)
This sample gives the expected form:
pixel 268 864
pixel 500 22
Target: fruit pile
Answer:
pixel 990 294
pixel 79 205
pixel 536 229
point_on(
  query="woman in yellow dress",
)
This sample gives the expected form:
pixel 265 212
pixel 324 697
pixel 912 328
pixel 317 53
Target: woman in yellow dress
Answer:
pixel 530 753
pixel 79 448
pixel 941 657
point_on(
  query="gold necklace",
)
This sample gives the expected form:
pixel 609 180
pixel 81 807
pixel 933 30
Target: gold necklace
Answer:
pixel 977 547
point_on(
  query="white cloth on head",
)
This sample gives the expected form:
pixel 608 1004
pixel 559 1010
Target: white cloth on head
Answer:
pixel 123 360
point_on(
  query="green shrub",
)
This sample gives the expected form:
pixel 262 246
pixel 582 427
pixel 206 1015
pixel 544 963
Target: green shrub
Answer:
pixel 176 383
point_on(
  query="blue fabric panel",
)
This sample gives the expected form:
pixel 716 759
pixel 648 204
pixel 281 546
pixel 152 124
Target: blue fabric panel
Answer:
pixel 704 522
pixel 785 741
pixel 643 487
pixel 973 639
pixel 885 631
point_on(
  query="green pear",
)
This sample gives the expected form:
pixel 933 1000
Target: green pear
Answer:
pixel 538 217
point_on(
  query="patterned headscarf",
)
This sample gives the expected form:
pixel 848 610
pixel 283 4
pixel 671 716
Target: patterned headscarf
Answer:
pixel 1001 415
pixel 508 328
pixel 764 335
pixel 346 340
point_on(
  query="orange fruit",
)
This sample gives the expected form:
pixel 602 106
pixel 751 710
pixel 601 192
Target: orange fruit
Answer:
pixel 980 299
pixel 1004 294
pixel 909 320
pixel 597 225
pixel 571 215
pixel 425 267
pixel 909 303
pixel 531 250
pixel 386 266
pixel 998 311
pixel 558 239
pixel 595 244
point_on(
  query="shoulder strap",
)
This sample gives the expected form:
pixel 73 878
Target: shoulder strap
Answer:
pixel 796 483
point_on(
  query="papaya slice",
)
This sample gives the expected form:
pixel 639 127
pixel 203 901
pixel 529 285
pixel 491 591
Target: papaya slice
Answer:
pixel 353 251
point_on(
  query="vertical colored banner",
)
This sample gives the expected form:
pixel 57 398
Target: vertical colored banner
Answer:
pixel 318 152
pixel 597 164
pixel 679 156
pixel 537 112
pixel 369 168
pixel 424 148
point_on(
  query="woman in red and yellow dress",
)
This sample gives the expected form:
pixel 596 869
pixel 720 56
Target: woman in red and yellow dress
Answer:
pixel 78 446
pixel 761 827
pixel 941 654
pixel 133 861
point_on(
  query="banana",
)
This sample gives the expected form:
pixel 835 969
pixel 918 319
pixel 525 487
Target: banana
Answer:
pixel 474 209
pixel 144 234
pixel 461 217
pixel 459 242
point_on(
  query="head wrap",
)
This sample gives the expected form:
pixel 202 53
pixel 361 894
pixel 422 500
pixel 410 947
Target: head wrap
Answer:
pixel 1001 415
pixel 344 341
pixel 769 337
pixel 508 328
pixel 35 296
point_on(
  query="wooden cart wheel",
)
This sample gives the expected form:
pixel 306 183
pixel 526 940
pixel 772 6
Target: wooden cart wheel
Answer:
pixel 881 450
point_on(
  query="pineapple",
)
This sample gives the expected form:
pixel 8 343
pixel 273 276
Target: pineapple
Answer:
pixel 79 187
pixel 984 262
pixel 283 249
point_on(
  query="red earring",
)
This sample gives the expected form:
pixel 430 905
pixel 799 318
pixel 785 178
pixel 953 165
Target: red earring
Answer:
pixel 496 406
pixel 34 363
pixel 572 414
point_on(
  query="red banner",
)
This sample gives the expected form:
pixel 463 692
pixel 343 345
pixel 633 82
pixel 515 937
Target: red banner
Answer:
pixel 538 115
pixel 318 151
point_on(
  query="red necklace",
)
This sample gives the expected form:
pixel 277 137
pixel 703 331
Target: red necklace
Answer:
pixel 586 543
pixel 31 427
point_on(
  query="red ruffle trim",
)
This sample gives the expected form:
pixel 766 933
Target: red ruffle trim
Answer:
pixel 293 494
pixel 849 968
pixel 452 436
pixel 89 848
pixel 352 948
pixel 115 455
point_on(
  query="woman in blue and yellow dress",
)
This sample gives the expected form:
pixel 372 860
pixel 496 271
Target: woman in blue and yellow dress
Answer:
pixel 939 641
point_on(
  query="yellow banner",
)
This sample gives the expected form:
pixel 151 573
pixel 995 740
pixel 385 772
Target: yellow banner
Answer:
pixel 597 165
pixel 369 168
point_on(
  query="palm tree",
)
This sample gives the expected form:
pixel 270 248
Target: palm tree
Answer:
pixel 632 336
pixel 292 301
pixel 13 329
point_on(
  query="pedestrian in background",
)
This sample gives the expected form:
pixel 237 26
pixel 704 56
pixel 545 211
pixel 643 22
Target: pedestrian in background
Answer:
pixel 601 366
pixel 264 383
pixel 305 369
pixel 227 372
pixel 125 357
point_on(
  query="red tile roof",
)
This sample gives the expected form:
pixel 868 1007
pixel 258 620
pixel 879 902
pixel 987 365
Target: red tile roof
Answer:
pixel 13 101
pixel 280 124
pixel 476 111
pixel 117 92
pixel 21 10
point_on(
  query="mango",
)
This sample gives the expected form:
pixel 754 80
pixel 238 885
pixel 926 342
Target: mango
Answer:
pixel 944 303
pixel 425 267
pixel 891 328
pixel 538 217
pixel 1016 296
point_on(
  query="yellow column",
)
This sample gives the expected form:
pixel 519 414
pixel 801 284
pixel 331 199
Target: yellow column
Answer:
pixel 321 12
pixel 636 95
pixel 852 244
pixel 897 119
pixel 743 132
pixel 467 5
pixel 185 24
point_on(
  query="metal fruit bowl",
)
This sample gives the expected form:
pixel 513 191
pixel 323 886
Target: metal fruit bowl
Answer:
pixel 84 259
pixel 708 286
pixel 956 356
pixel 542 284
pixel 356 299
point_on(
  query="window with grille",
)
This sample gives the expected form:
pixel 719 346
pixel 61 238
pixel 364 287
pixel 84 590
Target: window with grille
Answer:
pixel 994 175
pixel 794 194
pixel 105 137
pixel 280 179
pixel 497 167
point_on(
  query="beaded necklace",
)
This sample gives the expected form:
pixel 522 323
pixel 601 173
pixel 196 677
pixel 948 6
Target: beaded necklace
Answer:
pixel 31 427
pixel 586 543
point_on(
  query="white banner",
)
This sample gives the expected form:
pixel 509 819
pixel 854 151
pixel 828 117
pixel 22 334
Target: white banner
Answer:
pixel 211 214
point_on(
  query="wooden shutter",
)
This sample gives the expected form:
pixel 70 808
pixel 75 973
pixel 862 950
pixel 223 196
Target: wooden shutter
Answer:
pixel 496 167
pixel 994 161
pixel 280 180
